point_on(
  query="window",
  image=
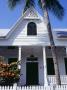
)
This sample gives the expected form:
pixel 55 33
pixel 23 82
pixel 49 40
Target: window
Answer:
pixel 11 47
pixel 10 60
pixel 65 60
pixel 31 29
pixel 50 66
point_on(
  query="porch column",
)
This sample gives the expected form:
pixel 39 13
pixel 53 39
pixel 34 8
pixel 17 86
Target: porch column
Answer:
pixel 45 66
pixel 66 50
pixel 19 55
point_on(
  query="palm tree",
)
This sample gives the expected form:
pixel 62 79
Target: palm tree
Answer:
pixel 55 7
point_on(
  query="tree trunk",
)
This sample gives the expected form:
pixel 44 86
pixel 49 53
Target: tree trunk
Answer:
pixel 53 48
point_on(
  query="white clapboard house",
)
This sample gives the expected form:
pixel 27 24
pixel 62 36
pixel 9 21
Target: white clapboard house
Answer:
pixel 28 41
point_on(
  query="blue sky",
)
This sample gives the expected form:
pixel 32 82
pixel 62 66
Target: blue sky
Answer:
pixel 8 17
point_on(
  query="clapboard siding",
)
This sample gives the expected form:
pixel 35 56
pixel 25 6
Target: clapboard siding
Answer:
pixel 19 36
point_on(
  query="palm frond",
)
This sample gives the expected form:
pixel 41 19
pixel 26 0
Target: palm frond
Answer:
pixel 12 3
pixel 54 6
pixel 29 3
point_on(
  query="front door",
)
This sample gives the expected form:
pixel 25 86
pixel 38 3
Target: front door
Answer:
pixel 32 73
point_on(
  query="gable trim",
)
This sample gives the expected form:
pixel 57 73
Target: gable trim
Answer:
pixel 37 15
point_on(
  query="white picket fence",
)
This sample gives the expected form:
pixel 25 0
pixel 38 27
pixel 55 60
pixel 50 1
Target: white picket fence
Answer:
pixel 62 87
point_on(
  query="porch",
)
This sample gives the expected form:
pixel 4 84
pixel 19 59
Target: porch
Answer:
pixel 51 79
pixel 38 56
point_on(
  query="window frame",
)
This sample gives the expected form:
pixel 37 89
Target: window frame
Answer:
pixel 11 47
pixel 65 65
pixel 29 32
pixel 52 72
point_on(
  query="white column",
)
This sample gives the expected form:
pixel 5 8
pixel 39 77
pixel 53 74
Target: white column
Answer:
pixel 45 66
pixel 66 50
pixel 19 55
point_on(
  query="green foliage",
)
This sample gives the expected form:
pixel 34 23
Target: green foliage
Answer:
pixel 29 3
pixel 8 81
pixel 54 6
pixel 12 3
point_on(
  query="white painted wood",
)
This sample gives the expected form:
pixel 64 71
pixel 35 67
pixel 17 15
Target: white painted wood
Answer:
pixel 66 51
pixel 45 66
pixel 18 33
pixel 19 36
pixel 52 79
pixel 19 55
pixel 38 52
pixel 31 13
pixel 62 87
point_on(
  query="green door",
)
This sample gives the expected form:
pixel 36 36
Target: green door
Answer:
pixel 31 73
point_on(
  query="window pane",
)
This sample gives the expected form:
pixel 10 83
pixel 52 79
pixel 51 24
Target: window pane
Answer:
pixel 65 60
pixel 31 29
pixel 50 66
pixel 11 47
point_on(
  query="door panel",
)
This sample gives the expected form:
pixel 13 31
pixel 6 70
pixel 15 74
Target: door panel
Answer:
pixel 31 73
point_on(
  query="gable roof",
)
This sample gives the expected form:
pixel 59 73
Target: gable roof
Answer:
pixel 30 13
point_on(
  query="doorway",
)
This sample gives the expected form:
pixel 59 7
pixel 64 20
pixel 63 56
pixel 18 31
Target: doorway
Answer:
pixel 32 71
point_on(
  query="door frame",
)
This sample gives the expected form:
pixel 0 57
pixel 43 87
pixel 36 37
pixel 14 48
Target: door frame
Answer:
pixel 36 61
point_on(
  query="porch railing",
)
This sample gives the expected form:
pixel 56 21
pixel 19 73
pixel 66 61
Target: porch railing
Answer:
pixel 52 79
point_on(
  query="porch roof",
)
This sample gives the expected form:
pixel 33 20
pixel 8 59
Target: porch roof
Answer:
pixel 3 32
pixel 62 33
